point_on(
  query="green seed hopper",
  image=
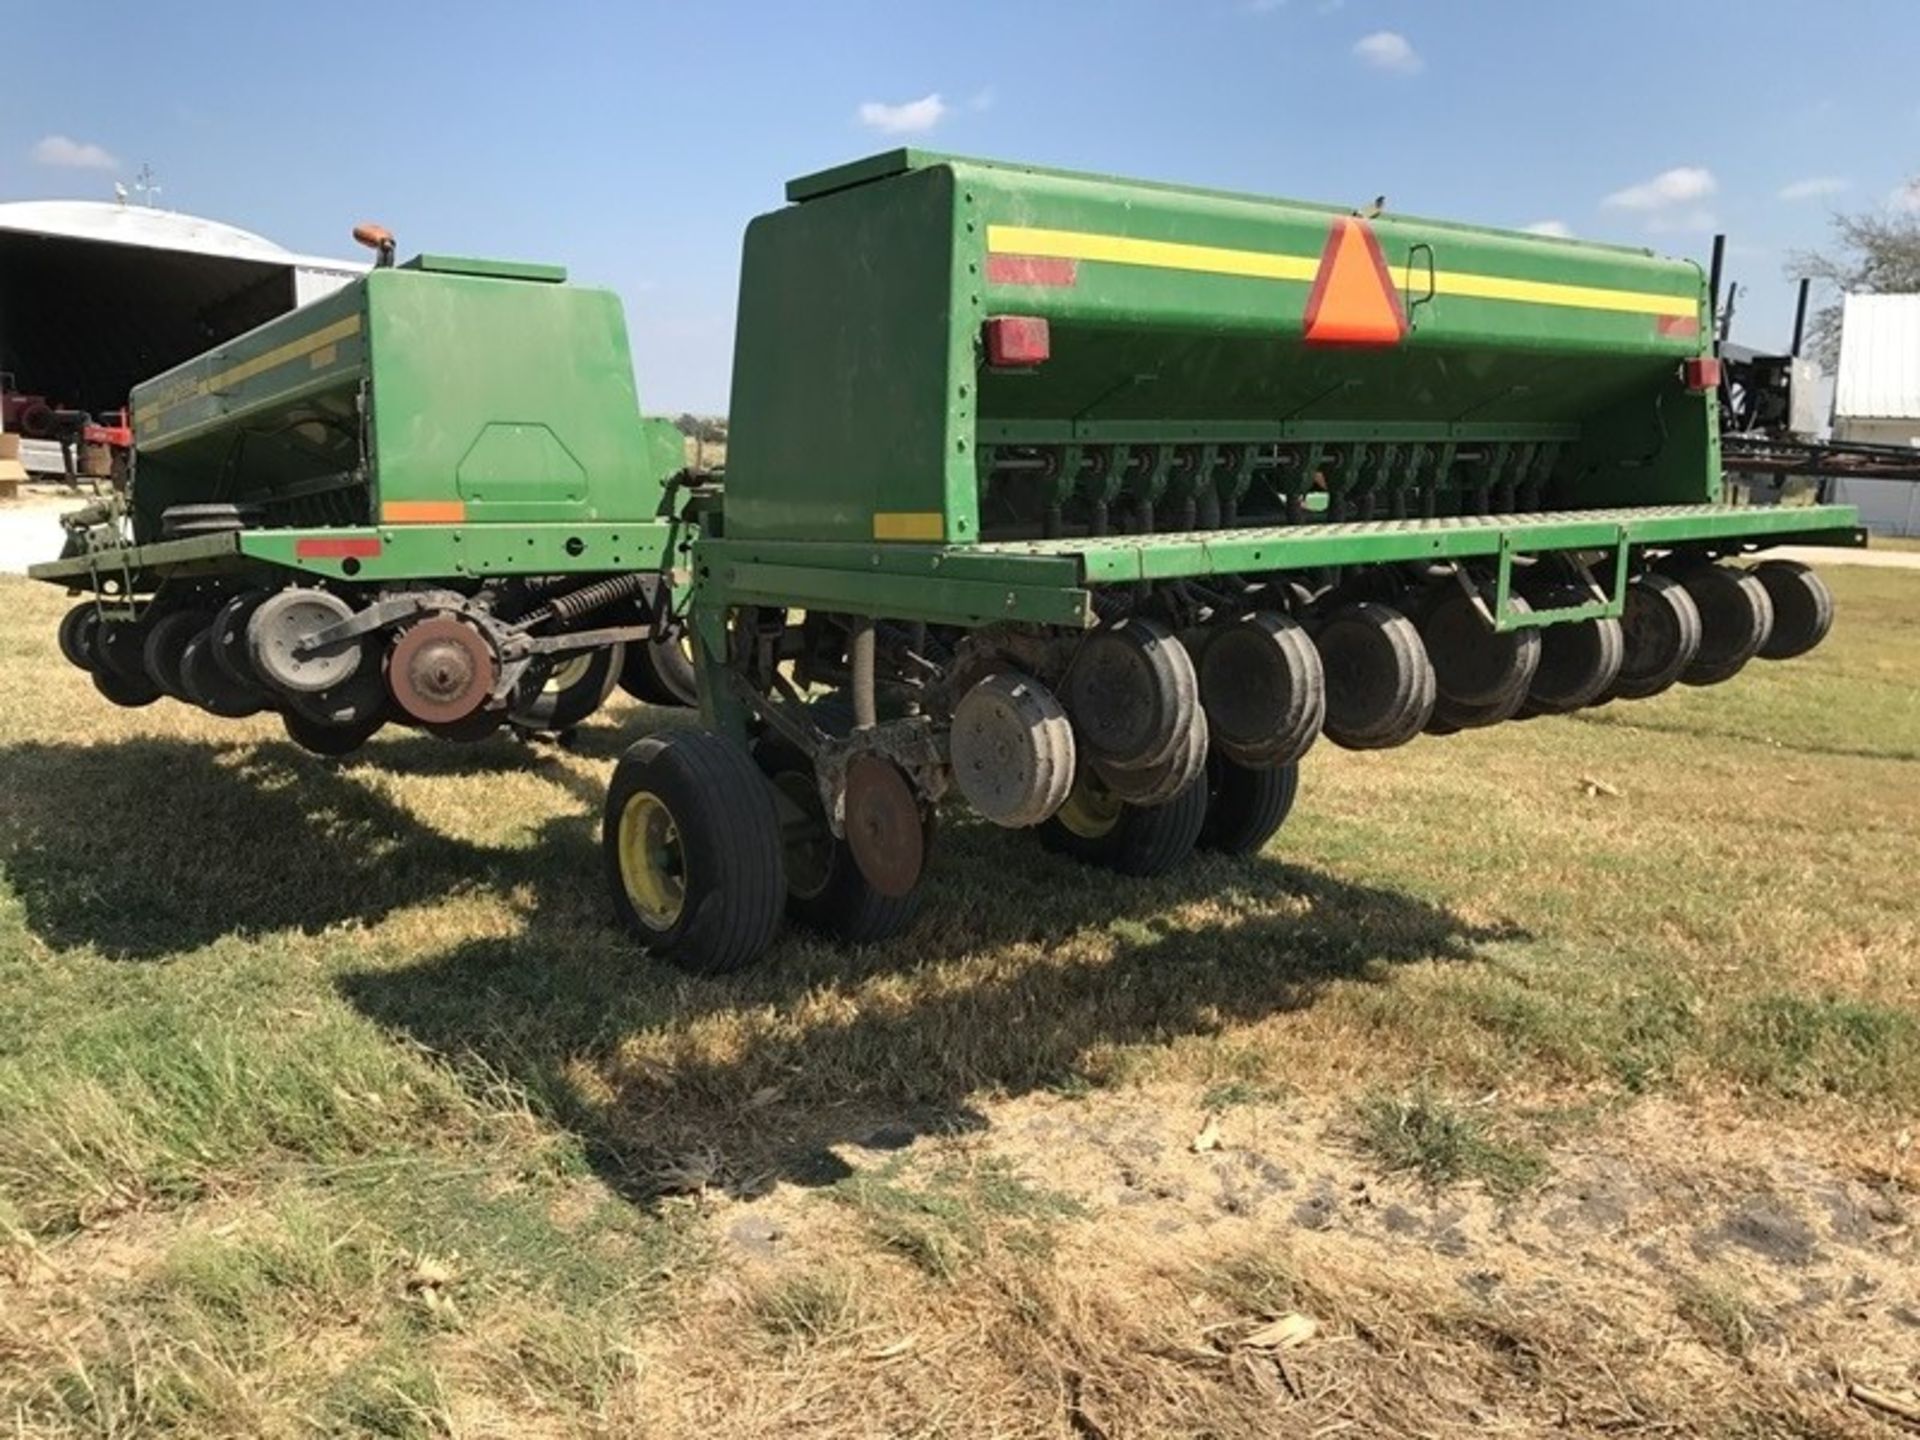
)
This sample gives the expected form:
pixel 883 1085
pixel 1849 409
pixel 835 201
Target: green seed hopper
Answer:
pixel 1096 502
pixel 444 461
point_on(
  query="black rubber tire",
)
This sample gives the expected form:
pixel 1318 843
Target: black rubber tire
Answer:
pixel 1475 665
pixel 733 883
pixel 1449 717
pixel 1736 615
pixel 1579 659
pixel 1380 684
pixel 563 709
pixel 1131 691
pixel 119 646
pixel 229 629
pixel 128 694
pixel 659 672
pixel 76 634
pixel 204 683
pixel 1660 629
pixel 1245 804
pixel 840 902
pixel 166 646
pixel 1263 688
pixel 328 741
pixel 1802 608
pixel 1144 841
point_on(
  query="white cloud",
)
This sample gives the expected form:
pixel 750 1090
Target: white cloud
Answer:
pixel 1261 7
pixel 1677 186
pixel 1388 50
pixel 72 154
pixel 1905 199
pixel 1813 187
pixel 912 117
pixel 1558 229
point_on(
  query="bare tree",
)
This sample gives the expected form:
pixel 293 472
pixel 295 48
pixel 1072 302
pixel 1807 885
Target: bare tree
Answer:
pixel 1874 250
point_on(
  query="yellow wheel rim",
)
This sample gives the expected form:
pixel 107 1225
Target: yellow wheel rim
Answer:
pixel 1091 809
pixel 652 866
pixel 568 673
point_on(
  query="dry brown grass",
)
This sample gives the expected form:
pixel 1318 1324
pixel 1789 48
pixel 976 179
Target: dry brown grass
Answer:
pixel 330 1101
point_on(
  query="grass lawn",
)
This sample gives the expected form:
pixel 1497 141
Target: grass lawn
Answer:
pixel 1563 1078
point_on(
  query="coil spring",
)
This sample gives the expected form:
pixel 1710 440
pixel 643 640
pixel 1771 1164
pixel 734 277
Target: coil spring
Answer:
pixel 587 599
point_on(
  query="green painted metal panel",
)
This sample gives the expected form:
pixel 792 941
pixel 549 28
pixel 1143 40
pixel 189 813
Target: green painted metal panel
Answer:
pixel 494 269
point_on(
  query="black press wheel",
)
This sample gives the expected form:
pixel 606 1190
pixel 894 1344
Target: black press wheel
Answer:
pixel 76 634
pixel 108 647
pixel 570 691
pixel 166 647
pixel 826 890
pixel 330 741
pixel 1245 804
pixel 1736 617
pixel 660 671
pixel 1802 608
pixel 692 849
pixel 1097 827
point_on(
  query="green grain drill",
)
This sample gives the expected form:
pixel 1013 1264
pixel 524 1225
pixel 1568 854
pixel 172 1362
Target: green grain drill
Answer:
pixel 1094 503
pixel 428 497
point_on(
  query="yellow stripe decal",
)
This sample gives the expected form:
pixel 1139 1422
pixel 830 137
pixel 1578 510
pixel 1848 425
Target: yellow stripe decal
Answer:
pixel 423 512
pixel 1264 265
pixel 312 345
pixel 909 525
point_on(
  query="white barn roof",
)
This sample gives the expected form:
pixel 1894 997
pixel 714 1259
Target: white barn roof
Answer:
pixel 147 228
pixel 1879 375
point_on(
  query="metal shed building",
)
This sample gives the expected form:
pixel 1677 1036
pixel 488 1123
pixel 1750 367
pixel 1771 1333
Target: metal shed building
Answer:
pixel 1876 400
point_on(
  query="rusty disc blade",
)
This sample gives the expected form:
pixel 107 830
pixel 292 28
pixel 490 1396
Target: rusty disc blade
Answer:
pixel 441 670
pixel 883 826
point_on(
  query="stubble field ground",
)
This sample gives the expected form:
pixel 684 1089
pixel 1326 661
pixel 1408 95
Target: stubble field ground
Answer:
pixel 1564 1077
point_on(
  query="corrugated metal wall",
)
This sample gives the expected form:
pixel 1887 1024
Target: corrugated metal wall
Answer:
pixel 1879 361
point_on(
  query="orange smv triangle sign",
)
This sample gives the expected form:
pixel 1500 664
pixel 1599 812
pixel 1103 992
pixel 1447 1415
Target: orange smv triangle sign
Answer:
pixel 1353 301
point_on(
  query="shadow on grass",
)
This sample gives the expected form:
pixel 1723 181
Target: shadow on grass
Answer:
pixel 1025 972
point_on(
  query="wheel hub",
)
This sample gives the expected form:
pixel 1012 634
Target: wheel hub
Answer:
pixel 652 866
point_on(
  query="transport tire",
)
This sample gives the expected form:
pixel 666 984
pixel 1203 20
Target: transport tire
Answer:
pixel 1380 684
pixel 660 672
pixel 1263 689
pixel 692 851
pixel 1246 804
pixel 166 647
pixel 1132 693
pixel 1660 629
pixel 1097 827
pixel 826 891
pixel 1736 615
pixel 205 684
pixel 571 691
pixel 328 740
pixel 1802 608
pixel 1474 664
pixel 76 634
pixel 1579 659
pixel 1012 750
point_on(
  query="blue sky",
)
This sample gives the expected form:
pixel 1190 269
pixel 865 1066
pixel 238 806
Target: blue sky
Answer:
pixel 632 142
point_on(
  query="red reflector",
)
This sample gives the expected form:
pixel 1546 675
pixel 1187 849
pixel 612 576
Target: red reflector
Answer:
pixel 1676 327
pixel 1701 373
pixel 1014 340
pixel 1030 270
pixel 341 547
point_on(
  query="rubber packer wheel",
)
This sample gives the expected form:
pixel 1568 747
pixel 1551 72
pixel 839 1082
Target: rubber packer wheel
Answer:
pixel 1475 665
pixel 573 689
pixel 660 672
pixel 1736 615
pixel 329 741
pixel 1246 804
pixel 826 891
pixel 1012 750
pixel 76 634
pixel 692 851
pixel 1802 608
pixel 1380 684
pixel 1263 689
pixel 1579 659
pixel 166 647
pixel 1159 784
pixel 1132 693
pixel 205 684
pixel 1097 827
pixel 130 691
pixel 1660 626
